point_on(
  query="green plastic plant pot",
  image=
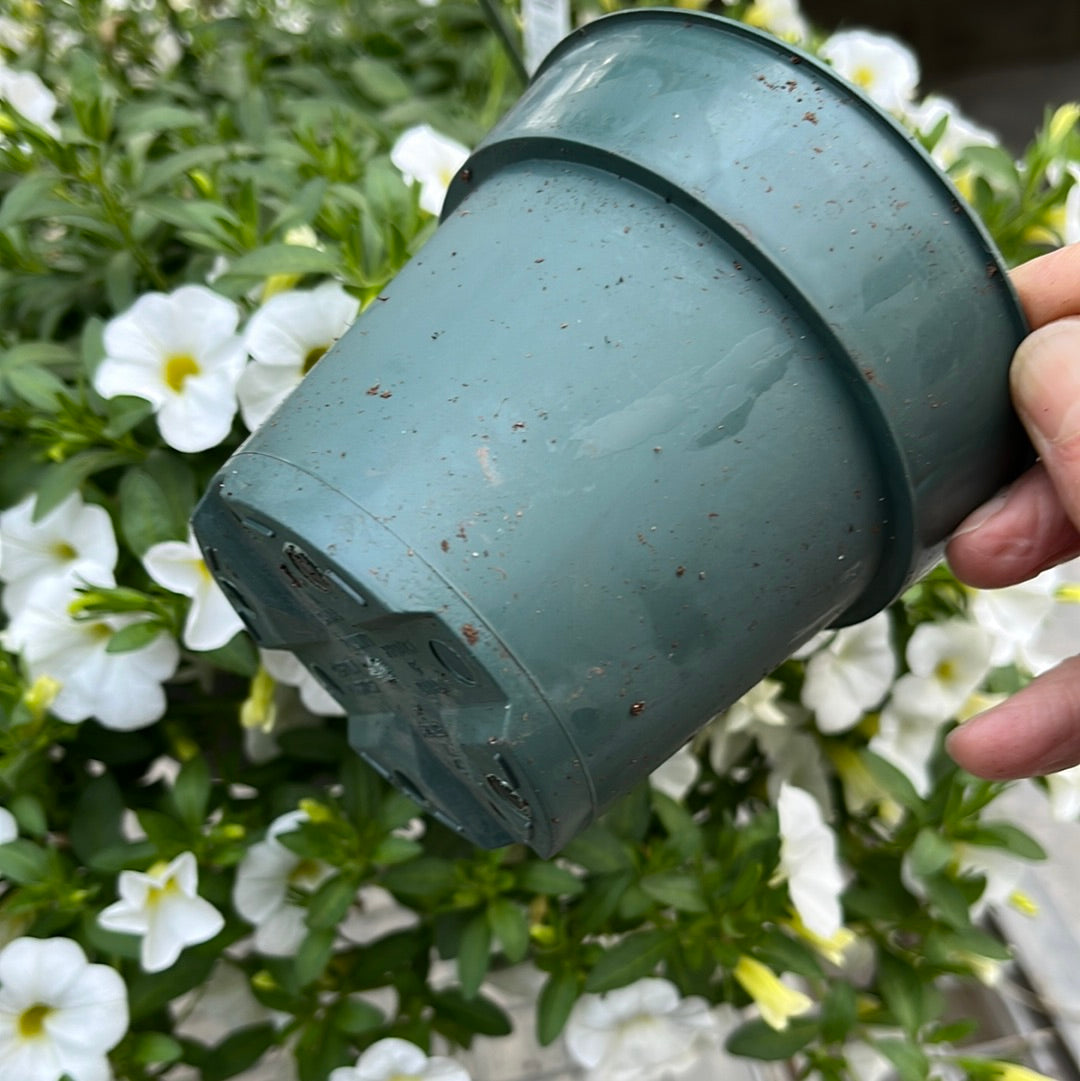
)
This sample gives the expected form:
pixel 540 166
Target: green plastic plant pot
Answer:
pixel 705 355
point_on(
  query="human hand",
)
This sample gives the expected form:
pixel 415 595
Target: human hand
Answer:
pixel 1031 526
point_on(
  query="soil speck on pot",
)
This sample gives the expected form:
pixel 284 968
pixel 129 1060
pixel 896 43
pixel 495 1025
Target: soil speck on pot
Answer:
pixel 470 633
pixel 637 709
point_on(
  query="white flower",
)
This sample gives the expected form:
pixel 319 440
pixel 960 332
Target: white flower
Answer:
pixel 883 68
pixel 9 828
pixel 1063 793
pixel 948 661
pixel 285 338
pixel 287 669
pixel 1003 871
pixel 164 907
pixel 219 1006
pixel 180 352
pixel 179 566
pixel 959 133
pixel 677 775
pixel 74 542
pixel 643 1032
pixel 779 17
pixel 731 733
pixel 850 675
pixel 429 159
pixel 392 1059
pixel 809 862
pixel 907 740
pixel 1013 615
pixel 264 880
pixel 30 97
pixel 122 690
pixel 59 1015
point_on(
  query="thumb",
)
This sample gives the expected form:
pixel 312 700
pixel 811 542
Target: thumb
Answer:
pixel 1045 378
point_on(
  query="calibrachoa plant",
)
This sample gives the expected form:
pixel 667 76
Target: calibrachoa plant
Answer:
pixel 196 874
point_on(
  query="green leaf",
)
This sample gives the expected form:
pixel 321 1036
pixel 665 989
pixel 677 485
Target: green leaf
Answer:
pixel 320 1050
pixel 477 1014
pixel 329 903
pixel 902 989
pixel 148 992
pixel 930 853
pixel 550 880
pixel 839 1012
pixel 635 956
pixel 95 818
pixel 756 1039
pixel 680 891
pixel 61 480
pixel 134 636
pixel 474 954
pixel 124 413
pixel 354 1016
pixel 23 862
pixel 166 170
pixel 135 119
pixel 155 1048
pixel 426 878
pixel 396 809
pixel 893 781
pixel 362 790
pixel 146 511
pixel 911 1064
pixel 25 200
pixel 602 897
pixel 36 386
pixel 238 1052
pixel 509 923
pixel 282 259
pixel 994 164
pixel 598 849
pixel 396 850
pixel 557 998
pixel 949 899
pixel 686 835
pixel 238 656
pixel 191 792
pixel 379 81
pixel 1011 838
pixel 313 954
pixel 30 814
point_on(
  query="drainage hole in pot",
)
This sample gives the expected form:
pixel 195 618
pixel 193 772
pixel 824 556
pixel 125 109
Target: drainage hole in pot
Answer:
pixel 453 662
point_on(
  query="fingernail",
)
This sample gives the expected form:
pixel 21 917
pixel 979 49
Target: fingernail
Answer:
pixel 1045 377
pixel 978 518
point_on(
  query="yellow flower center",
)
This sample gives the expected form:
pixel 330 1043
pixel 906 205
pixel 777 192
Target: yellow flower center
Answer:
pixel 305 872
pixel 313 357
pixel 100 631
pixel 64 550
pixel 863 76
pixel 945 671
pixel 177 368
pixel 32 1021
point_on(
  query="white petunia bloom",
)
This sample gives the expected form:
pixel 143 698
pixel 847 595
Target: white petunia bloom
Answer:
pixel 288 670
pixel 59 1014
pixel 731 732
pixel 267 875
pixel 211 620
pixel 286 337
pixel 643 1032
pixel 677 775
pixel 850 675
pixel 809 862
pixel 883 68
pixel 392 1059
pixel 122 690
pixel 959 134
pixel 947 661
pixel 74 542
pixel 1013 615
pixel 907 740
pixel 30 97
pixel 9 828
pixel 163 906
pixel 780 17
pixel 429 159
pixel 1063 794
pixel 180 352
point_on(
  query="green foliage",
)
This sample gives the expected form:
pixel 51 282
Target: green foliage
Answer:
pixel 258 159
